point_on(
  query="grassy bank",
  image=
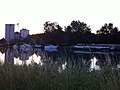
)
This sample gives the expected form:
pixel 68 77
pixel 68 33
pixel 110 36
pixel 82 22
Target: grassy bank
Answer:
pixel 36 77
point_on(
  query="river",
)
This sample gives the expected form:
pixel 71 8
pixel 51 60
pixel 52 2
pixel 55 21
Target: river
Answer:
pixel 62 58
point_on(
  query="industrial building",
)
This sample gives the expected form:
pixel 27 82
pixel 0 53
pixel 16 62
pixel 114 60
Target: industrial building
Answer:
pixel 17 36
pixel 24 33
pixel 9 32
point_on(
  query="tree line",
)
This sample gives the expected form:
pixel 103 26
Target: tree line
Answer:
pixel 76 32
pixel 80 32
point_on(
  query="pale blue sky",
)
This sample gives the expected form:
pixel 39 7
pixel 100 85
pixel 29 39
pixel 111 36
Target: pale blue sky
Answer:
pixel 32 14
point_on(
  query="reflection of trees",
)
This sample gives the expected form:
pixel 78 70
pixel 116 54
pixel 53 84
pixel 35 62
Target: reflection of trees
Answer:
pixel 23 55
pixel 10 54
pixel 72 60
pixel 83 60
pixel 64 59
pixel 108 59
pixel 16 53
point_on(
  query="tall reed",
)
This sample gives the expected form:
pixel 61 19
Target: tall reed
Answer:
pixel 51 77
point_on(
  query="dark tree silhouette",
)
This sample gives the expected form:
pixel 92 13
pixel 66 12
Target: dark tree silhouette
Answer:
pixel 78 32
pixel 53 33
pixel 3 41
pixel 108 34
pixel 106 29
pixel 77 26
pixel 52 27
pixel 114 30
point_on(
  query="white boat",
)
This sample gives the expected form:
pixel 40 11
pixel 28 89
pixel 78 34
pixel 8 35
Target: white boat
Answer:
pixel 50 47
pixel 77 46
pixel 92 47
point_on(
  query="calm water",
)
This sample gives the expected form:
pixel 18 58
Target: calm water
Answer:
pixel 63 58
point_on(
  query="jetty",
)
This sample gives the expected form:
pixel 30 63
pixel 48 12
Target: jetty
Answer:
pixel 115 47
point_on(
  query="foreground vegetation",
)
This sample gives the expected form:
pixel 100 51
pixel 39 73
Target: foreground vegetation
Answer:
pixel 37 77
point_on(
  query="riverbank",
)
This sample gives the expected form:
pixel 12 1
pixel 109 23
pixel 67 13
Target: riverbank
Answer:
pixel 37 77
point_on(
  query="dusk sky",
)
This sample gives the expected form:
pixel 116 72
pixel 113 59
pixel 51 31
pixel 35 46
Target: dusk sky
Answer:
pixel 31 14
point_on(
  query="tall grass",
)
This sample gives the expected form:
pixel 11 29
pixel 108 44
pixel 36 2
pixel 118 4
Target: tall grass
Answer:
pixel 48 77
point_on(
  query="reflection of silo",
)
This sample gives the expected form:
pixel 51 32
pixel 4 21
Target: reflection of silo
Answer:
pixel 9 32
pixel 9 56
pixel 24 56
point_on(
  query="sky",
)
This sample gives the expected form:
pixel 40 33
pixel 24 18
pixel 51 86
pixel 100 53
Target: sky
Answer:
pixel 32 14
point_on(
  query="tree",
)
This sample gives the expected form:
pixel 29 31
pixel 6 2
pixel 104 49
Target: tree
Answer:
pixel 108 34
pixel 3 41
pixel 114 30
pixel 81 27
pixel 77 32
pixel 53 32
pixel 107 29
pixel 52 27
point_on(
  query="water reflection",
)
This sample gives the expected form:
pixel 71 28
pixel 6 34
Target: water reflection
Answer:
pixel 9 55
pixel 2 58
pixel 63 58
pixel 27 58
pixel 94 64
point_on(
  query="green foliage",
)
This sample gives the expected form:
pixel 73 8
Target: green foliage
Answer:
pixel 37 77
